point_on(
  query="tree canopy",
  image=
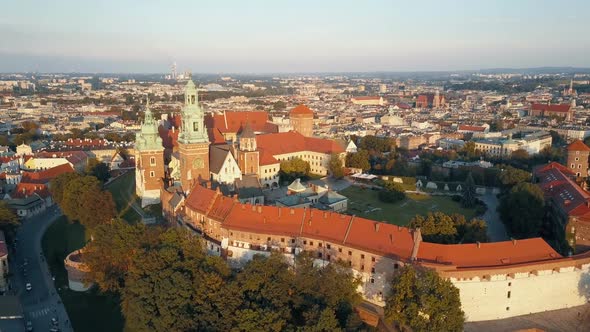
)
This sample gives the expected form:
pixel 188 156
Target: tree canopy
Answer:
pixel 468 199
pixel 359 159
pixel 294 168
pixel 423 301
pixel 522 210
pixel 8 218
pixel 392 192
pixel 170 283
pixel 448 229
pixel 511 176
pixel 98 169
pixel 335 166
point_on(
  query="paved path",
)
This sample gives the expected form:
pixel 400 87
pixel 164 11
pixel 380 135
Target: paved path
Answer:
pixel 43 302
pixel 496 229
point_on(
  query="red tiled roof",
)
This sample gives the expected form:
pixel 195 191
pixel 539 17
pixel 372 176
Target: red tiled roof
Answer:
pixel 487 254
pixel 551 107
pixel 370 236
pixel 266 158
pixel 563 192
pixel 301 109
pixel 235 120
pixel 289 142
pixel 578 145
pixel 79 143
pixel 215 137
pixel 200 199
pixel 23 190
pixel 46 175
pixel 556 165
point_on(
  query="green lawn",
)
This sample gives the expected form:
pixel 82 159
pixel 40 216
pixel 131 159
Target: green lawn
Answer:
pixel 88 311
pixel 366 204
pixel 123 191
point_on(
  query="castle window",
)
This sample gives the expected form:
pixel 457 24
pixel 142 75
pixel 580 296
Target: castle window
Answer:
pixel 362 256
pixel 509 284
pixel 573 165
pixel 507 308
pixel 292 240
pixel 349 253
pixel 339 249
pixel 509 293
pixel 319 254
pixel 282 239
pixel 319 244
pixel 372 270
pixel 311 243
pixel 372 258
pixel 152 174
pixel 577 158
pixel 372 280
pixel 396 266
pixel 153 161
pixel 328 246
pixel 195 126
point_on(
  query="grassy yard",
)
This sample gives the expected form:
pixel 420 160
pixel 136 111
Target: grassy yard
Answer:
pixel 365 203
pixel 123 191
pixel 88 311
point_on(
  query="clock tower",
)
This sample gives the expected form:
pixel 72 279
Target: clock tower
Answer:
pixel 193 141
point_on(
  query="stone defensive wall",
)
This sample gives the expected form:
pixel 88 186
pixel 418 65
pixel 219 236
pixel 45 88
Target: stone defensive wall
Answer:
pixel 77 271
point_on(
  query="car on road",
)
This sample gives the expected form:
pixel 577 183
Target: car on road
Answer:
pixel 29 326
pixel 28 286
pixel 54 321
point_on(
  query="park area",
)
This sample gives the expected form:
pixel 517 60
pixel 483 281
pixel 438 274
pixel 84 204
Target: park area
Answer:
pixel 88 311
pixel 364 202
pixel 92 310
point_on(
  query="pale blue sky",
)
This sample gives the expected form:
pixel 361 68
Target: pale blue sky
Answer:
pixel 291 35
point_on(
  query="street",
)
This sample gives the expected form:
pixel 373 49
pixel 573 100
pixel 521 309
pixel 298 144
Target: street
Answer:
pixel 42 303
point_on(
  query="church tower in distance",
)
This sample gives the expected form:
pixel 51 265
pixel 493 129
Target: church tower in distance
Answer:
pixel 149 159
pixel 193 141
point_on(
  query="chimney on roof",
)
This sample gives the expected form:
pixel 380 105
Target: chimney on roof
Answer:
pixel 292 211
pixel 253 207
pixel 259 209
pixel 325 215
pixel 390 238
pixel 279 211
pixel 377 227
pixel 513 241
pixel 478 244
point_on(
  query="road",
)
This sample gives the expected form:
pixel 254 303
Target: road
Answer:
pixel 496 229
pixel 42 302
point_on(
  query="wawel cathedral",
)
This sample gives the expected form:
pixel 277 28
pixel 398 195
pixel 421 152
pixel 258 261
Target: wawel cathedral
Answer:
pixel 233 150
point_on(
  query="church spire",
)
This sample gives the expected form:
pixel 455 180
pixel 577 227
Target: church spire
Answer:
pixel 149 117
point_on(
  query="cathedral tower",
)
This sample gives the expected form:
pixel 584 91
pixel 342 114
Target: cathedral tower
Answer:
pixel 249 156
pixel 149 159
pixel 193 142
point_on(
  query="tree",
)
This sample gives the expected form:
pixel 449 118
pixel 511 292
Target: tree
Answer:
pixel 173 285
pixel 423 301
pixel 392 192
pixel 335 166
pixel 511 176
pixel 520 155
pixel 442 228
pixel 279 105
pixel 72 204
pixel 522 210
pixel 98 208
pixel 295 168
pixel 468 199
pixel 469 150
pixel 111 251
pixel 8 218
pixel 98 169
pixel 58 184
pixel 359 159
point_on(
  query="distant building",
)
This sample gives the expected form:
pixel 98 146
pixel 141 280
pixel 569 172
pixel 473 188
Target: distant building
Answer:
pixel 369 100
pixel 430 100
pixel 564 111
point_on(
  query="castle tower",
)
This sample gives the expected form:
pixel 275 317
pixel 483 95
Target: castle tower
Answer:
pixel 301 118
pixel 193 142
pixel 149 159
pixel 577 158
pixel 248 154
pixel 436 101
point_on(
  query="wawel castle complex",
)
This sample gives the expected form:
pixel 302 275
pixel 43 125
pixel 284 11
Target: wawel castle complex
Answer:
pixel 201 165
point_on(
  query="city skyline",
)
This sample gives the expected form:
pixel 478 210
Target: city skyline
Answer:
pixel 302 36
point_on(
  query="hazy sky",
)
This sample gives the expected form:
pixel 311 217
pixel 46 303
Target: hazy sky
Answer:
pixel 291 35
